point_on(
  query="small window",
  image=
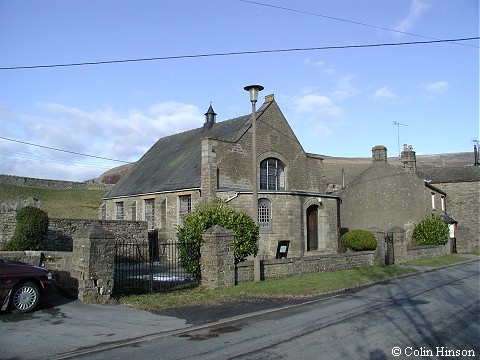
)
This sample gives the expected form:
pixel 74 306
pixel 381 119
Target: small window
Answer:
pixel 150 213
pixel 444 207
pixel 272 174
pixel 184 206
pixel 433 200
pixel 133 209
pixel 264 213
pixel 119 211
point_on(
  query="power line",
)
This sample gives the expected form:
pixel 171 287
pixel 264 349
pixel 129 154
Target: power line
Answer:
pixel 175 57
pixel 343 20
pixel 61 150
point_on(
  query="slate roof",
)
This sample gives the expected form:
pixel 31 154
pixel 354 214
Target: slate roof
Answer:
pixel 450 174
pixel 174 162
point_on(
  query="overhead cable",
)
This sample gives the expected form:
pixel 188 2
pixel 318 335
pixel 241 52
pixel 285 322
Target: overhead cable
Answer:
pixel 175 57
pixel 65 151
pixel 343 20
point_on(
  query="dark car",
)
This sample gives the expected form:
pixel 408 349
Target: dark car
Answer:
pixel 23 286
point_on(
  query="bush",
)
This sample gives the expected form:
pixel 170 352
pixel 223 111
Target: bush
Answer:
pixel 430 231
pixel 359 240
pixel 215 212
pixel 31 227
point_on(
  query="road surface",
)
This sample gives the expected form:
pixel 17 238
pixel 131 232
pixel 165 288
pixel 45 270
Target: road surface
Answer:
pixel 431 315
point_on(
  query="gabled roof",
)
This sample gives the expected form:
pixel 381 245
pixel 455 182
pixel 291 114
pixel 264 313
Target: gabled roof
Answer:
pixel 174 162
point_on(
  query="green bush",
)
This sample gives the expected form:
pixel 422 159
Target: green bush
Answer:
pixel 215 212
pixel 430 231
pixel 359 240
pixel 32 225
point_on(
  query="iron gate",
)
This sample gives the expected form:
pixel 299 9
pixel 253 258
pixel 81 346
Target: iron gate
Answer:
pixel 389 253
pixel 149 267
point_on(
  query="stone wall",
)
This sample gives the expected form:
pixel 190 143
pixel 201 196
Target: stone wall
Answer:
pixel 281 268
pixel 8 213
pixel 422 252
pixel 61 231
pixel 51 184
pixel 85 273
pixel 463 203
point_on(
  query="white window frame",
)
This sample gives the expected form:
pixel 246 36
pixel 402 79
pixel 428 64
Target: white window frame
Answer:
pixel 264 214
pixel 119 210
pixel 444 205
pixel 150 212
pixel 272 169
pixel 184 207
pixel 433 201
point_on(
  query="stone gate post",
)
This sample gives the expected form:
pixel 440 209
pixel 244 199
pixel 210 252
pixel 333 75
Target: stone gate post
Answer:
pixel 217 258
pixel 93 260
pixel 380 250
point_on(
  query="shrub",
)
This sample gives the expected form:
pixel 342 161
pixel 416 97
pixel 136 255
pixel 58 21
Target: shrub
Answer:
pixel 430 231
pixel 32 225
pixel 359 240
pixel 215 212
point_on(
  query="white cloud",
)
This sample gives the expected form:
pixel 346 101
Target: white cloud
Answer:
pixel 435 88
pixel 385 94
pixel 345 88
pixel 310 62
pixel 101 132
pixel 317 105
pixel 417 9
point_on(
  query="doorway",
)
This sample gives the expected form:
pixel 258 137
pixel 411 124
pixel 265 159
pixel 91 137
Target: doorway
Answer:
pixel 312 228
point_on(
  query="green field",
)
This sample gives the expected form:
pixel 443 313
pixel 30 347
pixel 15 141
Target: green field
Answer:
pixel 58 203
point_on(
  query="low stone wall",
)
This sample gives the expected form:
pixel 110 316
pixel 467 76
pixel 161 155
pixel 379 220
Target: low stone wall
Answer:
pixel 422 252
pixel 280 268
pixel 85 273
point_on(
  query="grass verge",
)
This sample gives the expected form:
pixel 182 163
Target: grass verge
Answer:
pixel 437 261
pixel 303 285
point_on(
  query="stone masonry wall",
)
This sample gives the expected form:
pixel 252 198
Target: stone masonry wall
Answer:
pixel 463 203
pixel 280 268
pixel 51 184
pixel 61 231
pixel 8 213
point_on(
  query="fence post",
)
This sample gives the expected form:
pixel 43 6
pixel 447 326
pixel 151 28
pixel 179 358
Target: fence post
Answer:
pixel 217 258
pixel 93 260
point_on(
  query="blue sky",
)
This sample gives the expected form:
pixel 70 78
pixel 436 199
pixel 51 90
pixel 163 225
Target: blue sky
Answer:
pixel 339 102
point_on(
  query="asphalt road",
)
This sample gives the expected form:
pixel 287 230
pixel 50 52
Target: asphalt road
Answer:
pixel 421 316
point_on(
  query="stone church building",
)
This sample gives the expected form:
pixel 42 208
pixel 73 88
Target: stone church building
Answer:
pixel 215 160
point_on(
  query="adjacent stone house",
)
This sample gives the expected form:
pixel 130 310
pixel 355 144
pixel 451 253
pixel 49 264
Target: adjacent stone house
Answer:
pixel 215 160
pixel 386 196
pixel 462 185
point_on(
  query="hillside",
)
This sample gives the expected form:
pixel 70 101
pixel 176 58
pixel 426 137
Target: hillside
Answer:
pixel 58 203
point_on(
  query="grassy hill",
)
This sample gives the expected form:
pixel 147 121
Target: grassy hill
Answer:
pixel 58 203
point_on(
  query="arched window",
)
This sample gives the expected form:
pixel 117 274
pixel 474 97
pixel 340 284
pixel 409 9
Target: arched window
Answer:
pixel 272 174
pixel 264 213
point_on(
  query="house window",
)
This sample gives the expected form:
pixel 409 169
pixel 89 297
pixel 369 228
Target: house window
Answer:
pixel 119 212
pixel 133 209
pixel 272 174
pixel 184 206
pixel 150 213
pixel 433 200
pixel 264 213
pixel 444 207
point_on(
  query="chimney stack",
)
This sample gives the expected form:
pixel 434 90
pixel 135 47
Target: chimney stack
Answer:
pixel 409 160
pixel 379 153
